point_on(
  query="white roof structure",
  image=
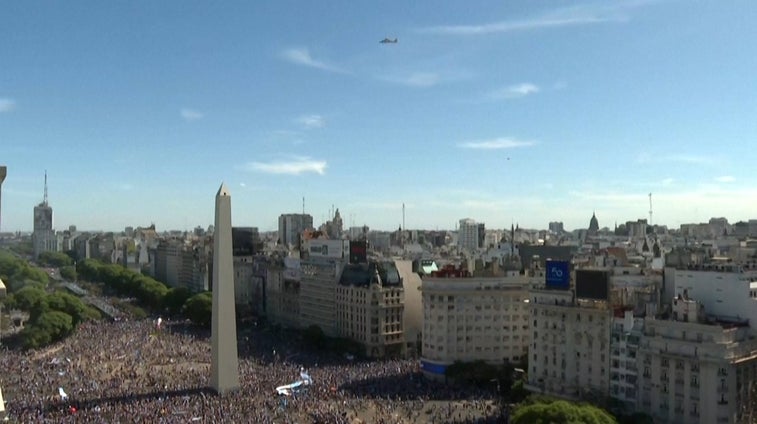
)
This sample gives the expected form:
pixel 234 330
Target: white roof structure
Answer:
pixel 3 291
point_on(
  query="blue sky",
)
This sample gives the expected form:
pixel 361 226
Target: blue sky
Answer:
pixel 518 111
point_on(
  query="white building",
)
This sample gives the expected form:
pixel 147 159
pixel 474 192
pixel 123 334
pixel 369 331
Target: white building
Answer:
pixel 468 235
pixel 469 319
pixel 570 342
pixel 724 288
pixel 694 369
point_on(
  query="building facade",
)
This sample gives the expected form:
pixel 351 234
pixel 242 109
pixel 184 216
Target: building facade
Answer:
pixel 695 369
pixel 470 319
pixel 570 346
pixel 291 227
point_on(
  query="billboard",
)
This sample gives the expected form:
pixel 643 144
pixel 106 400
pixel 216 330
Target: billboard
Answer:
pixel 243 240
pixel 358 252
pixel 557 275
pixel 592 284
pixel 326 248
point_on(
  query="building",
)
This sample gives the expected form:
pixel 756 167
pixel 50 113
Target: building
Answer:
pixel 43 237
pixel 724 288
pixel 291 227
pixel 697 368
pixel 3 174
pixel 282 298
pixel 556 227
pixel 318 292
pixel 369 300
pixel 570 341
pixel 2 403
pixel 469 319
pixel 470 235
pixel 180 264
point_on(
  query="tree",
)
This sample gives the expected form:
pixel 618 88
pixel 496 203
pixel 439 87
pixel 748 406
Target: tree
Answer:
pixel 70 304
pixel 560 411
pixel 68 272
pixel 54 259
pixel 175 299
pixel 56 323
pixel 30 299
pixel 199 309
pixel 314 336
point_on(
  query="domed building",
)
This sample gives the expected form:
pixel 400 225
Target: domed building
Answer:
pixel 593 225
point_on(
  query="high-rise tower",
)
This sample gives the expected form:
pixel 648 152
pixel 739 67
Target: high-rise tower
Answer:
pixel 225 361
pixel 3 174
pixel 43 237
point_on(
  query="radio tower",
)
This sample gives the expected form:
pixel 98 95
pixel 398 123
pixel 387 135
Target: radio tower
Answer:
pixel 403 217
pixel 650 208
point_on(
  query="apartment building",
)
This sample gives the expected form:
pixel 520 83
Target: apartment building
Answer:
pixel 318 291
pixel 369 307
pixel 570 345
pixel 282 298
pixel 468 319
pixel 697 368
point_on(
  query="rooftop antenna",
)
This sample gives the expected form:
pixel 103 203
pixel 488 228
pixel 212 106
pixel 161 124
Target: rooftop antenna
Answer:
pixel 403 216
pixel 44 200
pixel 303 205
pixel 650 208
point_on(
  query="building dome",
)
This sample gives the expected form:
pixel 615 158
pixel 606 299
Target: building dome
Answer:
pixel 593 223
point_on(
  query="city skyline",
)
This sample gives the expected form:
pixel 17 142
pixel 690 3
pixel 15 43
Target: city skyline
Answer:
pixel 514 113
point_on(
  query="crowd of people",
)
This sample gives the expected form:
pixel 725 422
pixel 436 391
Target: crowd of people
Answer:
pixel 140 372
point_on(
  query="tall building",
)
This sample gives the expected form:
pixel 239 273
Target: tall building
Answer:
pixel 3 174
pixel 556 227
pixel 570 346
pixel 43 237
pixel 470 318
pixel 291 226
pixel 469 234
pixel 225 360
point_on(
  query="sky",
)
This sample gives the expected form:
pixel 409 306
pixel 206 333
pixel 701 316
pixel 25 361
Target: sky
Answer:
pixel 525 112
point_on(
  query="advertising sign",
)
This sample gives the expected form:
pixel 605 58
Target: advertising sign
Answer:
pixel 558 275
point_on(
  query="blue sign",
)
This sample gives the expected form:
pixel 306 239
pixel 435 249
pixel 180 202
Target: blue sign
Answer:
pixel 433 368
pixel 558 275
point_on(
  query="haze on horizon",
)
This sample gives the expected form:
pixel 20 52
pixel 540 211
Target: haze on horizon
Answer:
pixel 523 112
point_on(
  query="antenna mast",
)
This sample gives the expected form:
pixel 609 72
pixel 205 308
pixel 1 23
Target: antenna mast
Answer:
pixel 403 216
pixel 44 200
pixel 303 205
pixel 650 208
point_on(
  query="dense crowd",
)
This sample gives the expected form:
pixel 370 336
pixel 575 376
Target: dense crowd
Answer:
pixel 135 372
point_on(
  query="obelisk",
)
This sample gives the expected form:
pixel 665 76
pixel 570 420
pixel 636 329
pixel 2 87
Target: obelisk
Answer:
pixel 223 334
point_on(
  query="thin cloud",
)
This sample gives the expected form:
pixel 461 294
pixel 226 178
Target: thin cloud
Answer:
pixel 495 144
pixel 725 179
pixel 191 114
pixel 301 56
pixel 416 79
pixel 311 121
pixel 7 105
pixel 515 91
pixel 563 17
pixel 297 166
pixel 677 158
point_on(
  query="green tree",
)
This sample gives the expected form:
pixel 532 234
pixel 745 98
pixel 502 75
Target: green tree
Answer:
pixel 175 298
pixel 54 259
pixel 33 337
pixel 68 272
pixel 560 411
pixel 199 308
pixel 30 299
pixel 70 304
pixel 56 323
